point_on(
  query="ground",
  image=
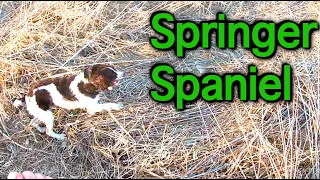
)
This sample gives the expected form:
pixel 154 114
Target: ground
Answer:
pixel 148 139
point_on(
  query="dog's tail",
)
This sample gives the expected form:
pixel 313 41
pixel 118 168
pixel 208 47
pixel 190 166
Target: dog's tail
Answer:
pixel 19 102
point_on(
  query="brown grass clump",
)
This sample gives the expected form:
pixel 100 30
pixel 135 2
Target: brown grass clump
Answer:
pixel 147 139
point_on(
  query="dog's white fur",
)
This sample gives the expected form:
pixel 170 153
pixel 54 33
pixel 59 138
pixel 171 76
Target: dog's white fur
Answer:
pixel 90 104
pixel 17 103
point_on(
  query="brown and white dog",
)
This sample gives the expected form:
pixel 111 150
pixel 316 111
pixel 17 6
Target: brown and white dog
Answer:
pixel 70 92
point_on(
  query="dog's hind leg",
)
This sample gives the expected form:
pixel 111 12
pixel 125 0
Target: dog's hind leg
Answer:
pixel 44 115
pixel 49 121
pixel 48 118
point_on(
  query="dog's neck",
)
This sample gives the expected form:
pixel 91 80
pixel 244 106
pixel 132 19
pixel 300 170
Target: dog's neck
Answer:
pixel 83 86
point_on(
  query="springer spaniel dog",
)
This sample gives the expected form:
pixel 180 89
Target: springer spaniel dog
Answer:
pixel 70 92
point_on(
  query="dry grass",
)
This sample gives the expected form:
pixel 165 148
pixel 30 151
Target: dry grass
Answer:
pixel 146 139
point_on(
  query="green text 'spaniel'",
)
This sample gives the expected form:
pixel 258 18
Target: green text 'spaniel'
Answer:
pixel 286 34
pixel 187 88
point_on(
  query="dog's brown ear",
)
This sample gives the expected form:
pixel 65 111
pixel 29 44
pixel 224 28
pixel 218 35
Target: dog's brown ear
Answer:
pixel 99 82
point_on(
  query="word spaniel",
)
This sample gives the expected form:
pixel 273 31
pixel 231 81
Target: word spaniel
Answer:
pixel 70 92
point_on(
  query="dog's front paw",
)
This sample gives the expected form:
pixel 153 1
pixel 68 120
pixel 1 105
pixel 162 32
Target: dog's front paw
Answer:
pixel 91 112
pixel 112 106
pixel 119 106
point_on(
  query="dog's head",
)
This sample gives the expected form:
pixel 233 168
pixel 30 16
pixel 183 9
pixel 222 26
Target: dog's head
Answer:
pixel 104 77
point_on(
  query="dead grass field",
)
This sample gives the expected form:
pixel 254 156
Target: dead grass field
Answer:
pixel 147 139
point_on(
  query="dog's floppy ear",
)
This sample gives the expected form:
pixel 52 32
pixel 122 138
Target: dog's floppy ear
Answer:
pixel 87 72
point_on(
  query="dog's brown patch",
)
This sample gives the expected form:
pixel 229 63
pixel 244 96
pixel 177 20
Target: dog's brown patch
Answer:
pixel 43 99
pixel 88 89
pixel 39 84
pixel 62 84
